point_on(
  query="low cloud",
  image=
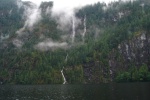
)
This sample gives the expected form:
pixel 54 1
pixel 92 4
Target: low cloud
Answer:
pixel 50 45
pixel 32 15
pixel 18 43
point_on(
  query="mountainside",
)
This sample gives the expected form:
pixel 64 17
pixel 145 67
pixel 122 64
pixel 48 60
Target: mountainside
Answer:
pixel 99 43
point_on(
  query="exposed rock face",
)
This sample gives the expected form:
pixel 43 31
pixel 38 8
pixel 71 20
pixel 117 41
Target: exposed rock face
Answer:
pixel 130 53
pixel 95 72
pixel 134 52
pixel 92 73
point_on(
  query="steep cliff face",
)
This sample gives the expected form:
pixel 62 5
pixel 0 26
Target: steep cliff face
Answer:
pixel 134 52
pixel 100 43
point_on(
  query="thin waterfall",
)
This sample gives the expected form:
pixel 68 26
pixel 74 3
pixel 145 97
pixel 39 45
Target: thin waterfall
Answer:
pixel 66 59
pixel 73 30
pixel 84 23
pixel 63 76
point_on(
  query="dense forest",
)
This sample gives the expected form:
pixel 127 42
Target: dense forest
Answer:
pixel 111 43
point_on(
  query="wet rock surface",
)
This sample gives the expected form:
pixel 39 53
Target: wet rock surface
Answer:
pixel 134 52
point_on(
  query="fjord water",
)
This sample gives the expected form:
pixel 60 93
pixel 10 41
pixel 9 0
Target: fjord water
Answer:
pixel 114 91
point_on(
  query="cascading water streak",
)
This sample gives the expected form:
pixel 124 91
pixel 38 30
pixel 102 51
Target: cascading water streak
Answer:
pixel 73 29
pixel 84 23
pixel 63 76
pixel 66 59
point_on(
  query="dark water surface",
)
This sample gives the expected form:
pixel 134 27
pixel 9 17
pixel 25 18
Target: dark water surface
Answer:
pixel 119 91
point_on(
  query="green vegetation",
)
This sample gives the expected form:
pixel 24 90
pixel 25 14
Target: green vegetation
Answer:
pixel 74 74
pixel 140 75
pixel 106 29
